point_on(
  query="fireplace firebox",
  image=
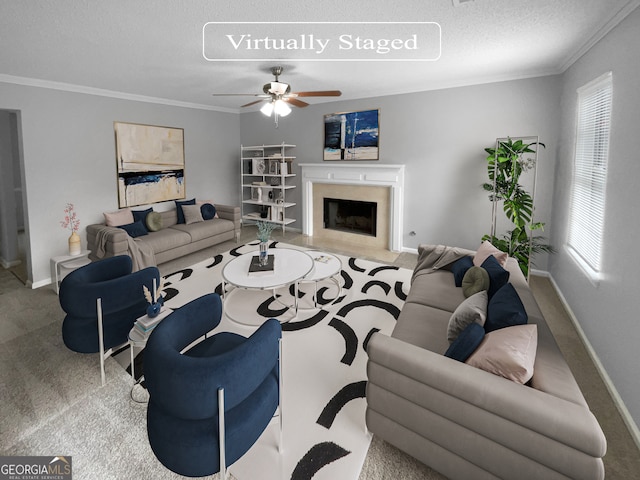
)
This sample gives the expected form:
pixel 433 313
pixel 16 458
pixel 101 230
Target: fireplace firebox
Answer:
pixel 351 216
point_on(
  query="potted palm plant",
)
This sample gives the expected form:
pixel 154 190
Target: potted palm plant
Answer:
pixel 505 164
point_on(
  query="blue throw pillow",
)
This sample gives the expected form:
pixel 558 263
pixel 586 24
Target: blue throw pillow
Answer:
pixel 208 211
pixel 141 214
pixel 135 229
pixel 466 343
pixel 460 267
pixel 498 276
pixel 179 204
pixel 505 309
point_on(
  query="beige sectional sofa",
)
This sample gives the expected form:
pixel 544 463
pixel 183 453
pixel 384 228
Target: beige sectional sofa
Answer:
pixel 468 423
pixel 173 240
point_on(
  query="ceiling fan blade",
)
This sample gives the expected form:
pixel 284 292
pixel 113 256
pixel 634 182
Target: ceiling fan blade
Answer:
pixel 239 95
pixel 296 102
pixel 252 103
pixel 321 93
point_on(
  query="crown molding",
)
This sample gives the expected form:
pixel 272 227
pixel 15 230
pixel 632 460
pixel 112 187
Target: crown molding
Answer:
pixel 69 87
pixel 599 35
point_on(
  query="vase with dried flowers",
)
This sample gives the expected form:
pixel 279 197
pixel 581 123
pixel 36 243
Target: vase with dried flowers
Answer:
pixel 72 222
pixel 155 299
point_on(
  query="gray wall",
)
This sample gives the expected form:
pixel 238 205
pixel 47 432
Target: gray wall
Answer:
pixel 69 156
pixel 608 312
pixel 440 136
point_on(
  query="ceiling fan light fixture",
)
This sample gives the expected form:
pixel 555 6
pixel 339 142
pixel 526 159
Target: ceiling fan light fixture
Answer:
pixel 281 108
pixel 267 109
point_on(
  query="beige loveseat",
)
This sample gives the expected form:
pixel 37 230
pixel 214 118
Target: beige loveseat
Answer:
pixel 463 421
pixel 173 240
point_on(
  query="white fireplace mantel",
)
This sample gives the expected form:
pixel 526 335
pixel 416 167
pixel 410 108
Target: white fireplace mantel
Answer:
pixel 388 175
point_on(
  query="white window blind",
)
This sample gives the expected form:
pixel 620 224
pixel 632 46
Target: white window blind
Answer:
pixel 590 172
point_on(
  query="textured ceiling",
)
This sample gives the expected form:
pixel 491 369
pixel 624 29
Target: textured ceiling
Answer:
pixel 153 48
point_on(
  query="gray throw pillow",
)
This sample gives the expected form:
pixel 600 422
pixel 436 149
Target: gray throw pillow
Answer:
pixel 192 214
pixel 475 280
pixel 473 309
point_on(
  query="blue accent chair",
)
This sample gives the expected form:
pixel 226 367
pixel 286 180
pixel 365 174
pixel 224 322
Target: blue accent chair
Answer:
pixel 208 405
pixel 105 292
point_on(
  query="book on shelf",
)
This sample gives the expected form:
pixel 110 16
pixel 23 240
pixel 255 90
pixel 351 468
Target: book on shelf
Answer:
pixel 255 269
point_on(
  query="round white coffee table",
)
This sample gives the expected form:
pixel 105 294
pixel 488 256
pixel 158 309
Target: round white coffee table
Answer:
pixel 326 267
pixel 290 266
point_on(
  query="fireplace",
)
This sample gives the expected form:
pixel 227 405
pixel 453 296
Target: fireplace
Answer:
pixel 353 216
pixel 382 184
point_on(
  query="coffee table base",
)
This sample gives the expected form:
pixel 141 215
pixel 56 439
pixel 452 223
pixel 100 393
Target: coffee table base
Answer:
pixel 257 297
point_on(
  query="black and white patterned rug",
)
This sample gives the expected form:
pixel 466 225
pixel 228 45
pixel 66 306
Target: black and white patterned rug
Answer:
pixel 324 361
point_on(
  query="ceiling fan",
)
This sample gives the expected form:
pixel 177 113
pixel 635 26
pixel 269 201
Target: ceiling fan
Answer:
pixel 276 91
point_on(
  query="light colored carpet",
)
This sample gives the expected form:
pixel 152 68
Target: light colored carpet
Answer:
pixel 26 418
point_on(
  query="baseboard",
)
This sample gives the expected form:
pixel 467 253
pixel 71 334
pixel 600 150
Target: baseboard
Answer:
pixel 613 391
pixel 8 264
pixel 409 250
pixel 539 273
pixel 40 283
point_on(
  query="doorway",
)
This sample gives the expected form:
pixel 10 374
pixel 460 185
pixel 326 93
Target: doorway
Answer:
pixel 14 243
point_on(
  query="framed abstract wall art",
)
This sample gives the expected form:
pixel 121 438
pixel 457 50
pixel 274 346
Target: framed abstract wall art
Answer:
pixel 351 136
pixel 150 161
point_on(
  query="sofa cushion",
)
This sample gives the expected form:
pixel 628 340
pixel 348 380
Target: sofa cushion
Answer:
pixel 154 221
pixel 505 309
pixel 472 310
pixel 475 280
pixel 179 211
pixel 509 352
pixel 208 211
pixel 436 289
pixel 201 230
pixel 135 229
pixel 423 326
pixel 121 217
pixel 192 214
pixel 466 343
pixel 166 239
pixel 498 276
pixel 485 250
pixel 460 267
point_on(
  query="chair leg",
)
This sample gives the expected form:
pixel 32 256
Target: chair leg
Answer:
pixel 100 338
pixel 280 384
pixel 221 434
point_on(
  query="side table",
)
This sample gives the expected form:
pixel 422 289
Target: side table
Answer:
pixel 138 339
pixel 63 265
pixel 326 267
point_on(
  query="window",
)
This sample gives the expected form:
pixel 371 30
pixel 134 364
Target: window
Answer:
pixel 586 225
